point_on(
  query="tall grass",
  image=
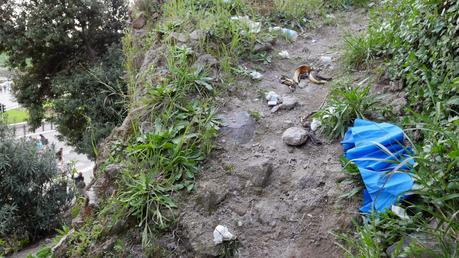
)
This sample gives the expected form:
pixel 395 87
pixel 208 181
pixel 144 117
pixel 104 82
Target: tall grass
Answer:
pixel 415 39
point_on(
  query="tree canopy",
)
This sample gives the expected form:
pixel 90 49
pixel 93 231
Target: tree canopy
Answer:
pixel 59 48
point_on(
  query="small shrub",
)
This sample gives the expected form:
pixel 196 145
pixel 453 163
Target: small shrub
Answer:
pixel 33 192
pixel 345 104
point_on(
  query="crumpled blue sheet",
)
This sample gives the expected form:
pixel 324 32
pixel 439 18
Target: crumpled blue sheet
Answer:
pixel 377 149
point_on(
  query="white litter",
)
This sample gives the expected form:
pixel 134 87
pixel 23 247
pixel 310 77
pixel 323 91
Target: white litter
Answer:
pixel 315 124
pixel 287 33
pixel 256 75
pixel 254 27
pixel 272 98
pixel 400 212
pixel 221 234
pixel 284 54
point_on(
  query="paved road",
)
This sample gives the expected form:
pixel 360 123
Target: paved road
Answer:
pixel 82 163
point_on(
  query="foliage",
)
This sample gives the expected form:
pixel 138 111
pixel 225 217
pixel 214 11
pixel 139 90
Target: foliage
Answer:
pixel 33 192
pixel 345 104
pixel 90 102
pixel 418 40
pixel 62 52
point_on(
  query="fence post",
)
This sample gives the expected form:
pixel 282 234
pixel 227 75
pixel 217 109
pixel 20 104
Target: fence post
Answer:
pixel 24 129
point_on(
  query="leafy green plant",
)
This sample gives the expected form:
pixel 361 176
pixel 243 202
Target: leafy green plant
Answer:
pixel 345 104
pixel 33 192
pixel 144 197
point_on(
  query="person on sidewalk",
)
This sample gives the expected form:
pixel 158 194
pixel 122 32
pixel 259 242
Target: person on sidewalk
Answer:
pixel 60 156
pixel 44 141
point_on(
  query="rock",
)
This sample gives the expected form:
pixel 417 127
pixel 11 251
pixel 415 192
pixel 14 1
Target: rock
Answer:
pixel 210 196
pixel 398 105
pixel 288 103
pixel 77 222
pixel 239 127
pixel 61 247
pixel 91 196
pixel 273 99
pixel 101 250
pixel 179 37
pixel 222 234
pixel 113 170
pixel 295 136
pixel 262 47
pixel 139 22
pixel 204 61
pixel 197 35
pixel 258 172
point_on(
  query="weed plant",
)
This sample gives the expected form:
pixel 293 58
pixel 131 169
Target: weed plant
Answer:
pixel 419 43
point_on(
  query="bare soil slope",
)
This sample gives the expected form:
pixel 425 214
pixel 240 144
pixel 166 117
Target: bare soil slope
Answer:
pixel 279 201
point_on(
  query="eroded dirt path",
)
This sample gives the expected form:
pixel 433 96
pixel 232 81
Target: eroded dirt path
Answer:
pixel 279 201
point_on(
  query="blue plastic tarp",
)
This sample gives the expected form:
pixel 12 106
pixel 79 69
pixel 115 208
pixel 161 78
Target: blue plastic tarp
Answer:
pixel 384 162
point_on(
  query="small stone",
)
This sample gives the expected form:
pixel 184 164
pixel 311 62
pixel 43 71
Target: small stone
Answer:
pixel 197 35
pixel 204 61
pixel 262 47
pixel 289 102
pixel 239 223
pixel 259 172
pixel 179 37
pixel 139 23
pixel 295 136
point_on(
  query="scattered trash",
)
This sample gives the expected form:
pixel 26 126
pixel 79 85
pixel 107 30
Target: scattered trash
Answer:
pixel 273 99
pixel 222 234
pixel 315 124
pixel 400 212
pixel 254 27
pixel 289 82
pixel 373 147
pixel 326 60
pixel 287 33
pixel 256 75
pixel 284 54
pixel 301 72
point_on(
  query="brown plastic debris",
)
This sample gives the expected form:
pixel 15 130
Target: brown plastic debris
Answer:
pixel 303 71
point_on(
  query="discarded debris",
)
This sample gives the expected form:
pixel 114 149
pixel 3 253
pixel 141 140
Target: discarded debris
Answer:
pixel 303 71
pixel 222 234
pixel 273 99
pixel 256 75
pixel 373 147
pixel 284 54
pixel 289 82
pixel 315 124
pixel 254 27
pixel 400 212
pixel 287 33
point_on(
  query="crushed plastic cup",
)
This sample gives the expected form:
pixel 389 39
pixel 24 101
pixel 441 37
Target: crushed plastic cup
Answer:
pixel 287 33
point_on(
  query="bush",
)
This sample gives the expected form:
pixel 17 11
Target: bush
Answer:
pixel 345 104
pixel 419 42
pixel 33 193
